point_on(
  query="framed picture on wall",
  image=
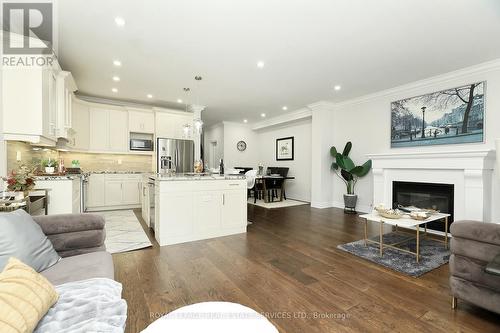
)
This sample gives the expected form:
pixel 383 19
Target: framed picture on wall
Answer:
pixel 453 116
pixel 284 149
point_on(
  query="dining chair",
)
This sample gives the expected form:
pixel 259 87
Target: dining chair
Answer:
pixel 252 184
pixel 283 172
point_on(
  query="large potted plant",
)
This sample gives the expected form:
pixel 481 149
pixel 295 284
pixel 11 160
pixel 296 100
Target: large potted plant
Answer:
pixel 22 179
pixel 349 173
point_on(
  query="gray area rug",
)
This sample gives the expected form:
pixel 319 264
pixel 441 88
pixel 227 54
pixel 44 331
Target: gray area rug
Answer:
pixel 432 254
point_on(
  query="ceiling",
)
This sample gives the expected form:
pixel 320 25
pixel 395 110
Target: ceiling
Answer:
pixel 308 47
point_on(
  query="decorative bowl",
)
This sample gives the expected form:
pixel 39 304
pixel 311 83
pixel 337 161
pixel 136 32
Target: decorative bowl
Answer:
pixel 420 216
pixel 390 214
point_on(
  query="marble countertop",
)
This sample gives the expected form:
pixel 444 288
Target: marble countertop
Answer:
pixel 58 177
pixel 118 172
pixel 185 177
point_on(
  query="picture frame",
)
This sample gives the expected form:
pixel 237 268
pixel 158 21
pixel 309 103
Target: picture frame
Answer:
pixel 445 117
pixel 285 149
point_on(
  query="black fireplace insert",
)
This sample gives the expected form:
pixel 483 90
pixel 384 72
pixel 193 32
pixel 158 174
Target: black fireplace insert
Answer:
pixel 425 195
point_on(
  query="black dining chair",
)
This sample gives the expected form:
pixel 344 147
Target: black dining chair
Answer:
pixel 283 172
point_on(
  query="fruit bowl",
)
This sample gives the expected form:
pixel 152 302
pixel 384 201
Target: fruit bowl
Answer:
pixel 390 213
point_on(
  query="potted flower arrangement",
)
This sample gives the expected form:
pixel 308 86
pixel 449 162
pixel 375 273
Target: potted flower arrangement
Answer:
pixel 349 173
pixel 50 165
pixel 22 179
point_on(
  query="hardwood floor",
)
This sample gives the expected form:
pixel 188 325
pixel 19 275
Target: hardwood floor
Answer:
pixel 288 267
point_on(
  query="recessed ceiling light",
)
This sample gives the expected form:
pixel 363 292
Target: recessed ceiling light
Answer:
pixel 260 64
pixel 117 63
pixel 149 96
pixel 116 78
pixel 179 100
pixel 284 108
pixel 114 90
pixel 337 88
pixel 263 115
pixel 245 121
pixel 120 21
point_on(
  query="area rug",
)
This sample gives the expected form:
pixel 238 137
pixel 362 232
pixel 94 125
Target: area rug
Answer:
pixel 277 204
pixel 432 254
pixel 123 231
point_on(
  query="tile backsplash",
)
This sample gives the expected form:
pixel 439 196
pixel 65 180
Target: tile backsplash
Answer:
pixel 88 161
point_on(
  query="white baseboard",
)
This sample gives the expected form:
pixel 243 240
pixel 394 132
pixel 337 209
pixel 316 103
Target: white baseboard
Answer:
pixel 321 204
pixel 359 208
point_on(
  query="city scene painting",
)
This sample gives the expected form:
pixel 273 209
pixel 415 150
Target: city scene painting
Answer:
pixel 450 116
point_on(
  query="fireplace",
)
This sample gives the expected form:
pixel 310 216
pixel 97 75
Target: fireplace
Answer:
pixel 425 195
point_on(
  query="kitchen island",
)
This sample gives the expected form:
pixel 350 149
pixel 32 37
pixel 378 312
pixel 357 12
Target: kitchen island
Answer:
pixel 189 208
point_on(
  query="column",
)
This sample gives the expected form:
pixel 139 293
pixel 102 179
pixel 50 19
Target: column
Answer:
pixel 321 141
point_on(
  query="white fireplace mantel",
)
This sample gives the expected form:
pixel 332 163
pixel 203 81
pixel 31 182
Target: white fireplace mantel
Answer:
pixel 469 171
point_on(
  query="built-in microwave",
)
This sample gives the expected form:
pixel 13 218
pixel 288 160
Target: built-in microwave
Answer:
pixel 141 144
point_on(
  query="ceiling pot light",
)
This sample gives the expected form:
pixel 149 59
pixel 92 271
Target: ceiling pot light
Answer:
pixel 284 108
pixel 263 115
pixel 116 78
pixel 337 88
pixel 245 121
pixel 260 64
pixel 179 100
pixel 149 96
pixel 114 90
pixel 120 21
pixel 117 63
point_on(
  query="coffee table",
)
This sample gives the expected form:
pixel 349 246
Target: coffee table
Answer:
pixel 405 222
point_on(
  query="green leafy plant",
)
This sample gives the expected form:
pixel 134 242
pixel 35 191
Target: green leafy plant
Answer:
pixel 49 163
pixel 345 168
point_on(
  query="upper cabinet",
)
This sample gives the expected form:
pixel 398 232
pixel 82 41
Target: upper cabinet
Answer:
pixel 171 125
pixel 65 86
pixel 29 102
pixel 79 136
pixel 108 130
pixel 141 121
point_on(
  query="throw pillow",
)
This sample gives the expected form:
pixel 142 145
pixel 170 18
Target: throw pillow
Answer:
pixel 25 297
pixel 21 237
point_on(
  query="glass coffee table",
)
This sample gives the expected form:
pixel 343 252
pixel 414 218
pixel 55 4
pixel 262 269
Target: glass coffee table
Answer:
pixel 405 222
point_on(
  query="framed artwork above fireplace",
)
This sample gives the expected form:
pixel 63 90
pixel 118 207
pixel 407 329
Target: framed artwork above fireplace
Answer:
pixel 452 116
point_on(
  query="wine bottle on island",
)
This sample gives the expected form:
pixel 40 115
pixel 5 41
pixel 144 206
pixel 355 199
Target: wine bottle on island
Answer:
pixel 221 167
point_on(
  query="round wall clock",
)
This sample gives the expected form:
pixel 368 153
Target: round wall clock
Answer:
pixel 241 145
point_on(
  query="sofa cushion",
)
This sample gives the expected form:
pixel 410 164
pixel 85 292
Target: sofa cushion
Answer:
pixel 81 267
pixel 475 293
pixel 25 297
pixel 474 249
pixel 22 238
pixel 473 270
pixel 479 231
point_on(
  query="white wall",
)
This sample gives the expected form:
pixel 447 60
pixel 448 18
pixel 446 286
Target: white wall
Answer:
pixel 213 152
pixel 234 132
pixel 366 122
pixel 300 167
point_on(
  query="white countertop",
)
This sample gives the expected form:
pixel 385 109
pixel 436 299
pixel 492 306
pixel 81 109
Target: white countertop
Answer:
pixel 184 177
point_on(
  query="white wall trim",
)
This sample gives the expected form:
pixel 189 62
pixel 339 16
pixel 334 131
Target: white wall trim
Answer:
pixel 321 204
pixel 283 119
pixel 359 208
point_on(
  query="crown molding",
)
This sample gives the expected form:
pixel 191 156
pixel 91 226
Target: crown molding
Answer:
pixel 283 119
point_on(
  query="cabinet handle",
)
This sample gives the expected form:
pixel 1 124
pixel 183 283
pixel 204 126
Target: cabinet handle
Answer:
pixel 223 199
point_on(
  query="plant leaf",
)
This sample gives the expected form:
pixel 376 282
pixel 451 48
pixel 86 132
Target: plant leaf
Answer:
pixel 340 161
pixel 357 170
pixel 333 151
pixel 348 163
pixel 347 148
pixel 346 175
pixel 334 166
pixel 366 168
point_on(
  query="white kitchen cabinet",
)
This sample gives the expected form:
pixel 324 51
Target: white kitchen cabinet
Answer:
pixel 63 195
pixel 113 192
pixel 141 121
pixel 131 191
pixel 108 130
pixel 118 135
pixel 28 103
pixel 189 210
pixel 145 201
pixel 95 191
pixel 65 86
pixel 234 208
pixel 171 125
pixel 80 135
pixel 99 129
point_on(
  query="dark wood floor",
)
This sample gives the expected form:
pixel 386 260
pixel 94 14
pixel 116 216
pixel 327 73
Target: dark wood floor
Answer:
pixel 288 265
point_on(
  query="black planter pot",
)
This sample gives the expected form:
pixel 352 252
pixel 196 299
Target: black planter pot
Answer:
pixel 350 201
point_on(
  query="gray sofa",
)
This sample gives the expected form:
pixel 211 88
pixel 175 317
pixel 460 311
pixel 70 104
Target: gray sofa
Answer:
pixel 79 240
pixel 473 246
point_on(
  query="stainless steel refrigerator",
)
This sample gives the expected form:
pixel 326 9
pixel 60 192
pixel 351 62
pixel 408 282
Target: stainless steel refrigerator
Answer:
pixel 174 155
